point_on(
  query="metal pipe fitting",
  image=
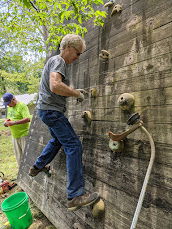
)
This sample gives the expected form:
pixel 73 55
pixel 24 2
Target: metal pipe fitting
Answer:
pixel 135 121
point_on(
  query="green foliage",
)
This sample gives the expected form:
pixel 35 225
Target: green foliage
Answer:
pixel 10 72
pixel 33 74
pixel 40 25
pixel 18 76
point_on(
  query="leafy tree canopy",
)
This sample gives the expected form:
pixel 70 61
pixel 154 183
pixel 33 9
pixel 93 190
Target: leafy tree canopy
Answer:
pixel 40 24
pixel 19 76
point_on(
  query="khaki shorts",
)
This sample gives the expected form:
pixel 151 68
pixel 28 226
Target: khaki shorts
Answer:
pixel 19 146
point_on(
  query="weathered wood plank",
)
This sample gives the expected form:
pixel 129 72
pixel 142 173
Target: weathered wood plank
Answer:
pixel 157 96
pixel 119 209
pixel 161 133
pixel 141 14
pixel 103 164
pixel 136 45
pixel 139 40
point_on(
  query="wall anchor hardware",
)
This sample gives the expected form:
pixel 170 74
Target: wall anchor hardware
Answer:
pixel 87 116
pixel 94 92
pixel 126 101
pixel 119 137
pixel 98 208
pixel 104 54
pixel 116 9
pixel 116 146
pixel 135 121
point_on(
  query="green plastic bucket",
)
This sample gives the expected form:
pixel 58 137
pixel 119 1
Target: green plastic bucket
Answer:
pixel 16 207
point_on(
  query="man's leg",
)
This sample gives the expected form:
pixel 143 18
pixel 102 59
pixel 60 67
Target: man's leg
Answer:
pixel 23 143
pixel 66 136
pixel 17 149
pixel 64 132
pixel 73 149
pixel 48 153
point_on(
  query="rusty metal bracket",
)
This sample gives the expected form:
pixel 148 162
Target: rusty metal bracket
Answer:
pixel 119 137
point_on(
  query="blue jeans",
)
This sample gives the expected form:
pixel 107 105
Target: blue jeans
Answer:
pixel 63 136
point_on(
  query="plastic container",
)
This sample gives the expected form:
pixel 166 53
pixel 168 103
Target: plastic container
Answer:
pixel 16 207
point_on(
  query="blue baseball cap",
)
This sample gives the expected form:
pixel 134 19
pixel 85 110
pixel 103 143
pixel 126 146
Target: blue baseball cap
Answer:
pixel 7 97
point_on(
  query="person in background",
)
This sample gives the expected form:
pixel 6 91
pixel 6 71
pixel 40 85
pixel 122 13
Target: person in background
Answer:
pixel 18 119
pixel 54 89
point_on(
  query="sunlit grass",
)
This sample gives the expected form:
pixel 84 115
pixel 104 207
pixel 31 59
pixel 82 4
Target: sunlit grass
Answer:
pixel 8 164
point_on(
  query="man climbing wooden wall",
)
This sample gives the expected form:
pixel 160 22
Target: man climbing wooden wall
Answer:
pixel 139 42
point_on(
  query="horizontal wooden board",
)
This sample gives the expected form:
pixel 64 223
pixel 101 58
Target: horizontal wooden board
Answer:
pixel 139 40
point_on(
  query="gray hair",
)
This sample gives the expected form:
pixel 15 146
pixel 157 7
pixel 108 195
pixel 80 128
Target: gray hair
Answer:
pixel 73 40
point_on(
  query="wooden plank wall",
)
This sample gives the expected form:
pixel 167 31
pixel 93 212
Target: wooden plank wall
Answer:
pixel 140 44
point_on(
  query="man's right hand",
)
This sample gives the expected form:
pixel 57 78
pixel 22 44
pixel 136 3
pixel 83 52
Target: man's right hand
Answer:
pixel 6 122
pixel 81 96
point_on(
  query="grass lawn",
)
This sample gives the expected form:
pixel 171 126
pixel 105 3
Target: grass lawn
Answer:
pixel 8 166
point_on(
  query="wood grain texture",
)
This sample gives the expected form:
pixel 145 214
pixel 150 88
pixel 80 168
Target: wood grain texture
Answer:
pixel 139 41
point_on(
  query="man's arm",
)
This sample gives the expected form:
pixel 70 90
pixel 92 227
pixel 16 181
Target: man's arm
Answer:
pixel 22 121
pixel 12 123
pixel 60 88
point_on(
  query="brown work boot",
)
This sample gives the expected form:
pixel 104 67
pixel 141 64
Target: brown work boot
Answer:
pixel 84 200
pixel 33 171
